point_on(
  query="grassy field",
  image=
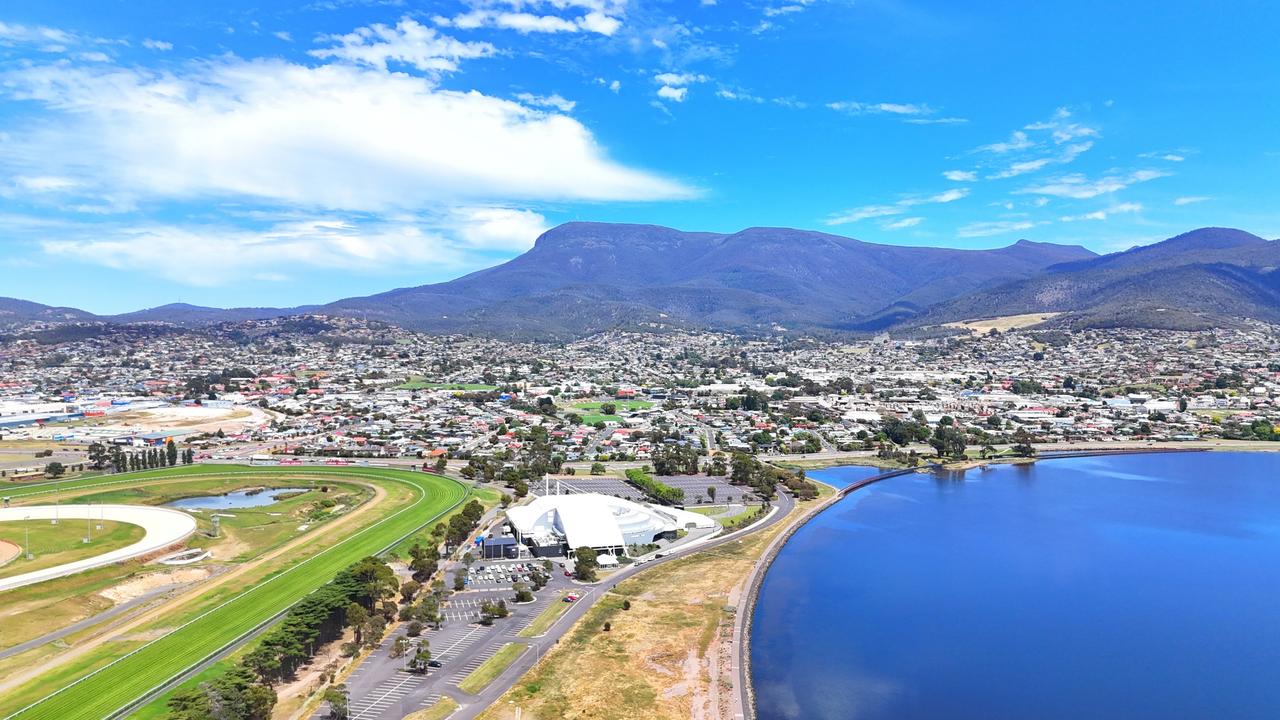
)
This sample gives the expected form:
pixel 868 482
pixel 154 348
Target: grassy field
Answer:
pixel 63 543
pixel 593 418
pixel 73 693
pixel 490 669
pixel 418 383
pixel 621 405
pixel 546 618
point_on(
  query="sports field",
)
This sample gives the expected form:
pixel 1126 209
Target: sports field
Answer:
pixel 123 680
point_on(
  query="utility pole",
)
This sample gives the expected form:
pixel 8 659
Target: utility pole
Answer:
pixel 88 525
pixel 26 525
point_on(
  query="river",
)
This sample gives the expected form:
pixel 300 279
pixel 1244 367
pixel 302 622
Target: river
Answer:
pixel 1138 586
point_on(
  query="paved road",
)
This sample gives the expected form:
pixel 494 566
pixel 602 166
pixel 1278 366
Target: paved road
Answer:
pixel 379 689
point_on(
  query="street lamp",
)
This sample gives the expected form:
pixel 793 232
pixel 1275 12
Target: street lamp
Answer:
pixel 26 525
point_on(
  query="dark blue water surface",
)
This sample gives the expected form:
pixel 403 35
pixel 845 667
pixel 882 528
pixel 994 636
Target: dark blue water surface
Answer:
pixel 1139 586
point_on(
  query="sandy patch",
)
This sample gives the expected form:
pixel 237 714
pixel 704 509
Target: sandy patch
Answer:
pixel 139 586
pixel 8 551
pixel 188 418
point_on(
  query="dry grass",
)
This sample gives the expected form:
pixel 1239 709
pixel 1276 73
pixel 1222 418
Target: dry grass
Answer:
pixel 658 658
pixel 443 708
pixel 1007 322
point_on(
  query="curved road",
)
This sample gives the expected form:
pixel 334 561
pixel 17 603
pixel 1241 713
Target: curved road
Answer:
pixel 163 527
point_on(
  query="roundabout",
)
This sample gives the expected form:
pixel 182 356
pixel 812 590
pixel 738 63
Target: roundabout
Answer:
pixel 162 527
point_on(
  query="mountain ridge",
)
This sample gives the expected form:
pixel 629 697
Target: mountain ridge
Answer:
pixel 584 277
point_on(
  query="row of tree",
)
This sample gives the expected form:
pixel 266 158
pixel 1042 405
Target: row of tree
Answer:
pixel 659 491
pixel 354 598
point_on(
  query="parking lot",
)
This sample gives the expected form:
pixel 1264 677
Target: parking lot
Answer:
pixel 695 487
pixel 603 484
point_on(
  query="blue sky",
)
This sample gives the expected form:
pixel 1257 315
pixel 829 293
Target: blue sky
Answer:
pixel 268 153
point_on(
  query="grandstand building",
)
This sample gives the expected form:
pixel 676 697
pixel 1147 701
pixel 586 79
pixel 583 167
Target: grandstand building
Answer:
pixel 554 525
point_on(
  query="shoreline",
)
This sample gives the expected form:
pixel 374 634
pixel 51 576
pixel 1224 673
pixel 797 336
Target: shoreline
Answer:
pixel 746 610
pixel 824 461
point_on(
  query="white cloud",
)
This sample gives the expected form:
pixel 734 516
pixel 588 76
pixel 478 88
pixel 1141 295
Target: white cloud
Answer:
pixel 674 85
pixel 906 222
pixel 1017 141
pixel 1079 187
pixel 211 255
pixel 1065 156
pixel 284 35
pixel 1166 156
pixel 161 45
pixel 730 94
pixel 998 227
pixel 960 175
pixel 674 94
pixel 615 86
pixel 334 136
pixel 1188 200
pixel 945 196
pixel 674 79
pixel 898 208
pixel 409 43
pixel 863 213
pixel 853 107
pixel 1104 214
pixel 937 121
pixel 490 228
pixel 553 101
pixel 52 39
pixel 782 10
pixel 597 17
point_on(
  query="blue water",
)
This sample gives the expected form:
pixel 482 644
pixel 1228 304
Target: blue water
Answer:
pixel 237 500
pixel 1141 586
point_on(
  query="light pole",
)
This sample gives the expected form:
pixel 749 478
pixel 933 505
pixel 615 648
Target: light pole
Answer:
pixel 26 525
pixel 88 524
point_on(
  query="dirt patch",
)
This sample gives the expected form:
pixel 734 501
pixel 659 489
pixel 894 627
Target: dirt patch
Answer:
pixel 139 586
pixel 8 551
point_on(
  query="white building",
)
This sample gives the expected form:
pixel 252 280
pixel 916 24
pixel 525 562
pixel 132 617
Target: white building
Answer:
pixel 562 523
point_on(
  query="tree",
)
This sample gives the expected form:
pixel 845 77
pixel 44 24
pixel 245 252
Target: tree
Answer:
pixel 400 647
pixel 55 469
pixel 597 468
pixel 234 695
pixel 421 659
pixel 171 452
pixel 711 492
pixel 608 409
pixel 357 617
pixel 584 564
pixel 409 589
pixel 336 696
pixel 98 455
pixel 1022 443
pixel 459 580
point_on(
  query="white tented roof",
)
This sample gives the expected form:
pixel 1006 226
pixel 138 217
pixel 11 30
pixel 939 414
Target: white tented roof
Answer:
pixel 590 520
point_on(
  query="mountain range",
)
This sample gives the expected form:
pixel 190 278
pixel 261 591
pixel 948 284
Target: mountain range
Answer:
pixel 581 278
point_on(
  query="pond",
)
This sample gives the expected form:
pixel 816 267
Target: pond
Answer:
pixel 238 500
